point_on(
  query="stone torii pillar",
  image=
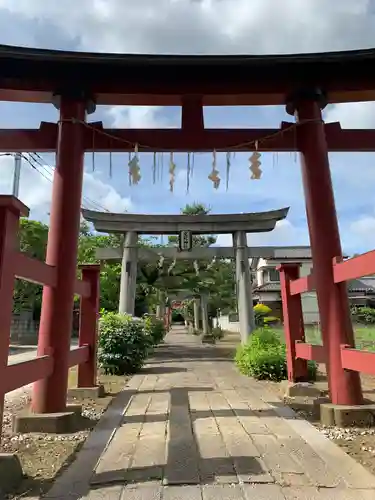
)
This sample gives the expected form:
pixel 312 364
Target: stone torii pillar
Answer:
pixel 196 313
pixel 128 281
pixel 161 307
pixel 243 284
pixel 205 325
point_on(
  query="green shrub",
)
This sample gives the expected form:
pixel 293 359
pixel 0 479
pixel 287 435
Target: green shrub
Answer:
pixel 270 320
pixel 261 311
pixel 264 357
pixel 155 328
pixel 263 364
pixel 312 368
pixel 263 337
pixel 364 315
pixel 217 333
pixel 123 345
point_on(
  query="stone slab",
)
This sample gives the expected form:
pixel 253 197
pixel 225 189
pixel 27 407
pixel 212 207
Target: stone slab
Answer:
pixel 150 491
pixel 182 493
pixel 10 472
pixel 311 493
pixel 215 462
pixel 318 471
pixel 263 492
pixel 105 493
pixel 76 479
pixel 353 473
pixel 222 492
pixel 195 422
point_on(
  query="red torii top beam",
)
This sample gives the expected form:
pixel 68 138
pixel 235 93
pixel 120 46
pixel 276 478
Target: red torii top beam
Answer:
pixel 35 75
pixel 192 82
pixel 96 138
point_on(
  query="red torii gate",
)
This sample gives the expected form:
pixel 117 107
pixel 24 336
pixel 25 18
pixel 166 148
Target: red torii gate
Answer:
pixel 76 82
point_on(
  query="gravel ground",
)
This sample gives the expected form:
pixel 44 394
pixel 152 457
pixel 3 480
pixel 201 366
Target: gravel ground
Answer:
pixel 44 456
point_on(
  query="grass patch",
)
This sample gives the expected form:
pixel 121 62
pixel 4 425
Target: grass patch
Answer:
pixel 364 336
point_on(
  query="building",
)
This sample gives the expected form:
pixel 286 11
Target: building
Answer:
pixel 267 290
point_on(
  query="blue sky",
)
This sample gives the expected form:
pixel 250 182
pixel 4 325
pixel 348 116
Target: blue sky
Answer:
pixel 201 26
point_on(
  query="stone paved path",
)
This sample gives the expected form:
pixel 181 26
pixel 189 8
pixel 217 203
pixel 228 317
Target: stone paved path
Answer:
pixel 192 428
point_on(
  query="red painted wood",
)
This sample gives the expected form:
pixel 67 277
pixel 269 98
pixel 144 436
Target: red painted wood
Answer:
pixel 293 323
pixel 122 140
pixel 302 285
pixel 49 395
pixel 34 270
pixel 192 116
pixel 163 80
pixel 310 352
pixel 10 211
pixel 359 361
pixel 79 355
pixel 335 321
pixel 89 315
pixel 26 372
pixel 356 267
pixel 14 205
pixel 82 288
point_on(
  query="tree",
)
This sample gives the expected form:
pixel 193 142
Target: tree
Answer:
pixel 198 240
pixel 216 279
pixel 33 237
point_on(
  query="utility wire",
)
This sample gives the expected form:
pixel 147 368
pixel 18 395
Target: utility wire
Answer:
pixel 30 159
pixel 35 158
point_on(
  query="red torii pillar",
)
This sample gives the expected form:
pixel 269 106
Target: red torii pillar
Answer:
pixel 49 395
pixel 336 327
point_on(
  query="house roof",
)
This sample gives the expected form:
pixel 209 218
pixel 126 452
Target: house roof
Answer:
pixel 360 286
pixel 353 286
pixel 268 287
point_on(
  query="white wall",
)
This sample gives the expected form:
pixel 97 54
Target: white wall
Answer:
pixel 223 322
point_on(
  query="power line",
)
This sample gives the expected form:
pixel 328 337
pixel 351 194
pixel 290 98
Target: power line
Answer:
pixel 39 160
pixel 34 167
pixel 44 165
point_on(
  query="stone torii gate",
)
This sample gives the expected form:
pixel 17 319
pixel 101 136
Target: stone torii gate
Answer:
pixel 236 224
pixel 196 253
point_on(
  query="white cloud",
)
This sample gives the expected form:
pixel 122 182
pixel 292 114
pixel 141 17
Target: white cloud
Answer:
pixel 36 190
pixel 363 230
pixel 352 114
pixel 212 27
pixel 206 26
pixel 136 117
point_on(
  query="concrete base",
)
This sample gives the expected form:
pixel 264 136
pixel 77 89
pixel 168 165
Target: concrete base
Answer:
pixel 347 416
pixel 301 389
pixel 48 423
pixel 10 472
pixel 310 405
pixel 87 392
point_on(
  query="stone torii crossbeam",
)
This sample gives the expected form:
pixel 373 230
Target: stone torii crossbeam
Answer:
pixel 236 224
